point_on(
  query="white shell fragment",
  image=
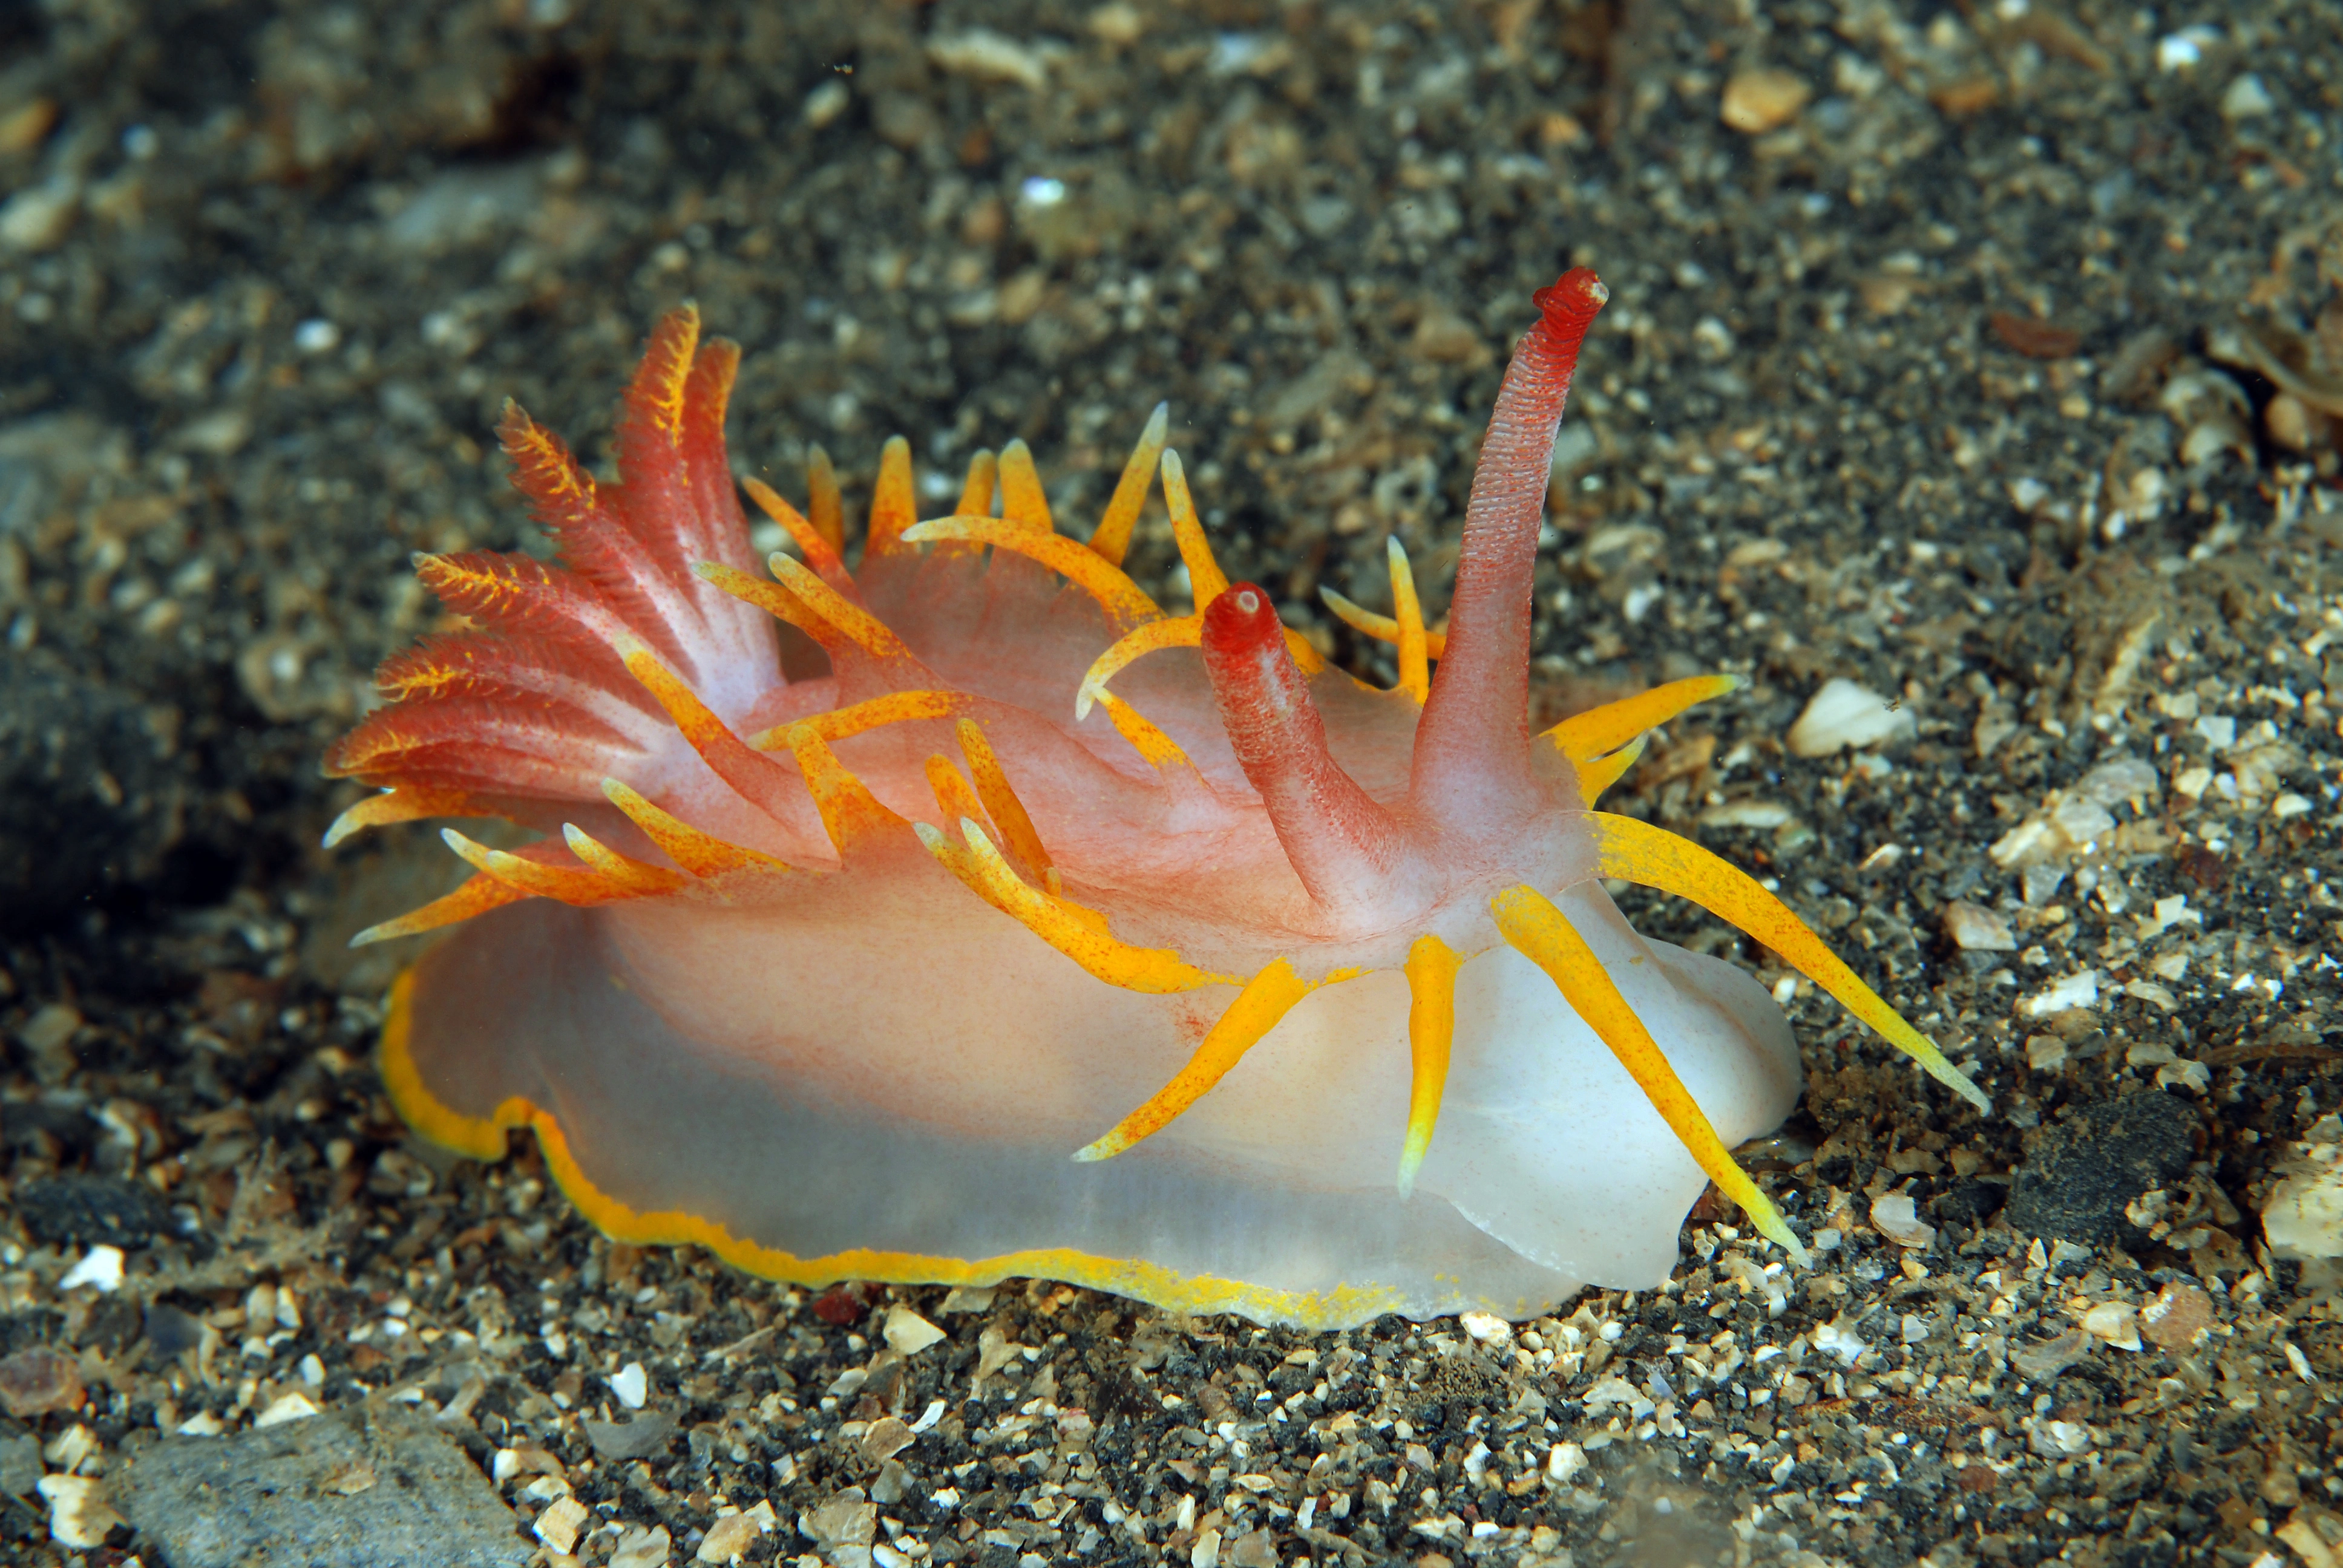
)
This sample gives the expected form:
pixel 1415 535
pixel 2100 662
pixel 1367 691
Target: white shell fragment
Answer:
pixel 1893 1215
pixel 1487 1328
pixel 2064 994
pixel 100 1268
pixel 630 1385
pixel 1839 1338
pixel 1842 715
pixel 2303 1216
pixel 2059 1438
pixel 79 1514
pixel 909 1333
pixel 285 1408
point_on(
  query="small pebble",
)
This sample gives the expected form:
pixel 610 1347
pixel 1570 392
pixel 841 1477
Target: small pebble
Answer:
pixel 24 127
pixel 1763 100
pixel 37 1380
pixel 37 217
pixel 825 104
pixel 988 56
pixel 630 1385
pixel 2247 99
pixel 1973 928
pixel 1842 715
pixel 730 1537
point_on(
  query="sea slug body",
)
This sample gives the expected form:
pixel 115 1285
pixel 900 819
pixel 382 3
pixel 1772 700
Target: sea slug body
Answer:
pixel 962 914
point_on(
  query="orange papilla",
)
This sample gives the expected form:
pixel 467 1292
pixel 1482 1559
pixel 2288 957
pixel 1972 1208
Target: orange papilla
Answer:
pixel 1159 751
pixel 954 797
pixel 1154 636
pixel 701 853
pixel 536 869
pixel 1022 497
pixel 1265 1000
pixel 894 506
pixel 852 816
pixel 1111 538
pixel 640 879
pixel 407 803
pixel 1600 729
pixel 866 632
pixel 819 553
pixel 779 603
pixel 478 895
pixel 1008 812
pixel 976 488
pixel 839 724
pixel 825 505
pixel 755 777
pixel 1124 601
pixel 1206 581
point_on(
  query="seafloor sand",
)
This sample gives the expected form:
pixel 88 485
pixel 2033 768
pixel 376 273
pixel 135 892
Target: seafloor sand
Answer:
pixel 1930 375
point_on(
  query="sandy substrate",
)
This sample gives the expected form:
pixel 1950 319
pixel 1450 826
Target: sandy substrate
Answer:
pixel 1987 357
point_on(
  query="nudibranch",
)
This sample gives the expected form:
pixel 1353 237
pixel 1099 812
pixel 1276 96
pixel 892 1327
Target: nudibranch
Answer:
pixel 1029 929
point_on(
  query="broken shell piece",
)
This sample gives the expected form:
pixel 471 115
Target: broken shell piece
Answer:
pixel 1844 714
pixel 79 1514
pixel 2115 1322
pixel 2070 822
pixel 2212 408
pixel 2284 357
pixel 2303 1216
pixel 909 1332
pixel 2064 995
pixel 1487 1328
pixel 1893 1215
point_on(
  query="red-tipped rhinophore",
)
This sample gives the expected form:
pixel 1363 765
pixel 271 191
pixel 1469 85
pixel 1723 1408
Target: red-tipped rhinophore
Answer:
pixel 1342 844
pixel 1472 750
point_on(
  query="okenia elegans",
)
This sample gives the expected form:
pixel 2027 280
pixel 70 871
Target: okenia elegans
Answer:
pixel 1041 932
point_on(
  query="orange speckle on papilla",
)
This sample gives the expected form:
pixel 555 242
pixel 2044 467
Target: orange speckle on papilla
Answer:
pixel 1026 929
